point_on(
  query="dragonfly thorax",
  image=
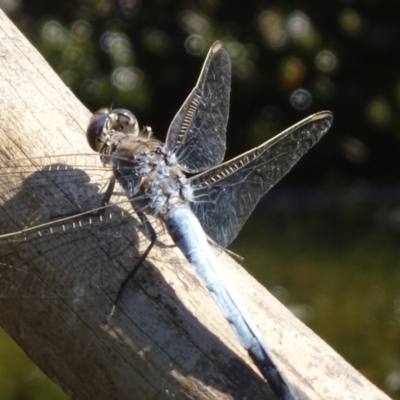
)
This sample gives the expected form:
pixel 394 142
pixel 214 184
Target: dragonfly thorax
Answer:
pixel 164 185
pixel 144 169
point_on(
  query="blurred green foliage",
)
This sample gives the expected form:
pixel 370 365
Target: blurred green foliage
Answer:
pixel 20 379
pixel 332 253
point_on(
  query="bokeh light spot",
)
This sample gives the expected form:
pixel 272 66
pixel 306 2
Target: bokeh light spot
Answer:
pixel 118 46
pixel 301 99
pixel 326 61
pixel 125 79
pixel 354 150
pixel 392 381
pixel 10 6
pixel 379 111
pixel 72 55
pixel 195 45
pixel 350 21
pixel 156 41
pixel 54 33
pixel 323 88
pixel 298 25
pixel 292 72
pixel 81 29
pixel 194 23
pixel 89 88
pixel 272 27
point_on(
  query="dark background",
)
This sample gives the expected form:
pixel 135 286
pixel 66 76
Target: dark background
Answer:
pixel 325 240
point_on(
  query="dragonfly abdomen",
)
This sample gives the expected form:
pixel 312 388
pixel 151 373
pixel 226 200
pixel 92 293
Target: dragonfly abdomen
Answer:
pixel 186 231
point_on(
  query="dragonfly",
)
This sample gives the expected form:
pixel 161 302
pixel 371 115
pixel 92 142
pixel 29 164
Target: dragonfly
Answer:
pixel 182 186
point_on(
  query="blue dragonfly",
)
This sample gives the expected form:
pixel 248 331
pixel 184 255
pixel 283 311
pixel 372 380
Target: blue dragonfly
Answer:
pixel 183 186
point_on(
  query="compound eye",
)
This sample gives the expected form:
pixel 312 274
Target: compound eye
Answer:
pixel 123 120
pixel 96 132
pixel 104 123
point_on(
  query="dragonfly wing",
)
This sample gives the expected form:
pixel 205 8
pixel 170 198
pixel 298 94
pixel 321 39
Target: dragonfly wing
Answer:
pixel 70 264
pixel 225 196
pixel 48 187
pixel 52 243
pixel 197 134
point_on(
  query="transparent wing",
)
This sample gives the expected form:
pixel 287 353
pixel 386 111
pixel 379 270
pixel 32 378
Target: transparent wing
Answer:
pixel 225 196
pixel 47 209
pixel 50 185
pixel 197 134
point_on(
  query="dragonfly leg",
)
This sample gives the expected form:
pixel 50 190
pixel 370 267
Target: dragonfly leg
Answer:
pixel 108 193
pixel 149 231
pixel 151 234
pixel 106 198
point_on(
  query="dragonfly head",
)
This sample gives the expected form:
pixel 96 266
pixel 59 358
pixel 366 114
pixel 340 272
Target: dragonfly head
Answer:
pixel 105 123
